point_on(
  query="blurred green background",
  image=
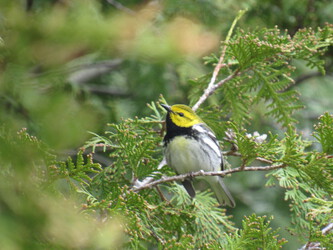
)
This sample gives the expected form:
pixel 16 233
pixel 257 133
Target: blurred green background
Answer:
pixel 72 66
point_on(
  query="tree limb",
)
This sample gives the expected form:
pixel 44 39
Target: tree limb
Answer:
pixel 202 173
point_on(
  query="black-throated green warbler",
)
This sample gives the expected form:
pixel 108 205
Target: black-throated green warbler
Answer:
pixel 190 146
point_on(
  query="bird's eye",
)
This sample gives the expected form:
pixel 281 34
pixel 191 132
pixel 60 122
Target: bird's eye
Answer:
pixel 181 114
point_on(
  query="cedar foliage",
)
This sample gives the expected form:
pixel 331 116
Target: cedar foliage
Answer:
pixel 75 202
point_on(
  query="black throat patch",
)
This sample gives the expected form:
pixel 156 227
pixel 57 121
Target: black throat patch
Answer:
pixel 173 130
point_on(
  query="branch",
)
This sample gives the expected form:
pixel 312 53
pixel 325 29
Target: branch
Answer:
pixel 327 229
pixel 202 173
pixel 212 86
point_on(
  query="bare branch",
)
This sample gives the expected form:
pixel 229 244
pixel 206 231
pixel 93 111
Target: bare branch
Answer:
pixel 328 228
pixel 264 160
pixel 212 87
pixel 202 173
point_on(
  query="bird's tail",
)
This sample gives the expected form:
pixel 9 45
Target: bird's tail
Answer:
pixel 220 190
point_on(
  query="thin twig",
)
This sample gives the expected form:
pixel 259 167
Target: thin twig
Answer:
pixel 212 86
pixel 232 153
pixel 220 83
pixel 202 173
pixel 161 194
pixel 327 229
pixel 264 160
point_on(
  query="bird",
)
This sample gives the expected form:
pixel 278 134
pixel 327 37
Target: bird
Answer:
pixel 191 146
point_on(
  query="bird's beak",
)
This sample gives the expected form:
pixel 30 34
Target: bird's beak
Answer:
pixel 167 107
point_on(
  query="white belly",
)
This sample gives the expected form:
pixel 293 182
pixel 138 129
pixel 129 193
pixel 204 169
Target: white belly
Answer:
pixel 188 156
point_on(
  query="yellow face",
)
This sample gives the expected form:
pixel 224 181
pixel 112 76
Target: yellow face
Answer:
pixel 183 116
